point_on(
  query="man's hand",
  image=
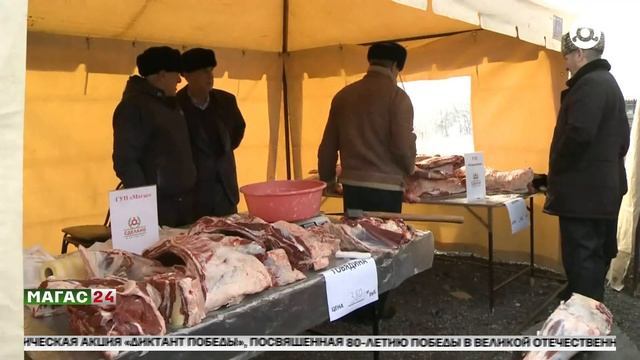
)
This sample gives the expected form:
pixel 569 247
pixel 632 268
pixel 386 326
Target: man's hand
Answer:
pixel 333 188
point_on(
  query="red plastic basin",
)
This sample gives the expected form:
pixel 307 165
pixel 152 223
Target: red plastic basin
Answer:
pixel 288 200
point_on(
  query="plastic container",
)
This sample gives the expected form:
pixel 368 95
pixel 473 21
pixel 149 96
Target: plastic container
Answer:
pixel 288 200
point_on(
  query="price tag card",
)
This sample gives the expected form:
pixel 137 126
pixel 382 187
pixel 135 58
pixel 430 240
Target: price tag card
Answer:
pixel 518 214
pixel 134 218
pixel 351 286
pixel 475 172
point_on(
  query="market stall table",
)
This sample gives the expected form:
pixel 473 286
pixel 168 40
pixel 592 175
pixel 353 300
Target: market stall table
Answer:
pixel 490 203
pixel 285 310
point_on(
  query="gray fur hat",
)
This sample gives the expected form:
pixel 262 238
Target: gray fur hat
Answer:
pixel 585 38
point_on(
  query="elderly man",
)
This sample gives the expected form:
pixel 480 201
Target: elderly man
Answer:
pixel 587 178
pixel 150 136
pixel 371 126
pixel 216 127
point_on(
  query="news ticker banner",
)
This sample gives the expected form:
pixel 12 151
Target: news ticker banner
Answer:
pixel 319 343
pixel 69 296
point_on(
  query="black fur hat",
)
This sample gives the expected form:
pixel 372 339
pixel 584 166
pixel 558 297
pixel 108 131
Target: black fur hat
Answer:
pixel 198 58
pixel 155 59
pixel 388 51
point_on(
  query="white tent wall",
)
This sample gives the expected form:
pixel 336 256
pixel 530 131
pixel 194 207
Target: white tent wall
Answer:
pixel 13 15
pixel 514 99
pixel 529 20
pixel 629 211
pixel 72 87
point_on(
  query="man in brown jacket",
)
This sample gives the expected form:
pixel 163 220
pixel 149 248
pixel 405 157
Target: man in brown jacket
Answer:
pixel 371 126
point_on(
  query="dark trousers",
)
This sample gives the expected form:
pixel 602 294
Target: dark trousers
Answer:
pixel 176 210
pixel 369 199
pixel 588 245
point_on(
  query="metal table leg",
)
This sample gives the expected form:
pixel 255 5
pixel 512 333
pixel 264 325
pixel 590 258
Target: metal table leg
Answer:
pixel 490 238
pixel 531 242
pixel 636 260
pixel 375 328
pixel 489 226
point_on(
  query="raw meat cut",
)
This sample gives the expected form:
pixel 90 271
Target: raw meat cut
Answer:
pixel 51 310
pixel 579 316
pixel 135 312
pixel 181 300
pixel 371 234
pixel 434 162
pixel 516 181
pixel 260 232
pixel 119 263
pixel 395 230
pixel 279 267
pixel 418 187
pixel 226 275
pixel 440 173
pixel 320 251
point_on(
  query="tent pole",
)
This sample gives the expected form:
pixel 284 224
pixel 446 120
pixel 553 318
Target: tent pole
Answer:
pixel 285 94
pixel 423 37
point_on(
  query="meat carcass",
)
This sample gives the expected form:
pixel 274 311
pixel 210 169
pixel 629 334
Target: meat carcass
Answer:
pixel 516 181
pixel 135 311
pixel 441 173
pixel 395 230
pixel 231 227
pixel 244 218
pixel 181 300
pixel 279 267
pixel 262 233
pixel 242 245
pixel 440 162
pixel 370 234
pixel 579 316
pixel 417 187
pixel 512 181
pixel 226 275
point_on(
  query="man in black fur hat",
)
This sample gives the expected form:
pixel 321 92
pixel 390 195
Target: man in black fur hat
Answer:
pixel 587 177
pixel 216 127
pixel 151 139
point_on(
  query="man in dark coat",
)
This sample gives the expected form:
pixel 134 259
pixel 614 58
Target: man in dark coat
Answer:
pixel 216 127
pixel 151 139
pixel 587 177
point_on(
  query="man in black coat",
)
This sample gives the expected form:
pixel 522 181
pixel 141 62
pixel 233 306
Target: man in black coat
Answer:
pixel 216 127
pixel 150 137
pixel 587 177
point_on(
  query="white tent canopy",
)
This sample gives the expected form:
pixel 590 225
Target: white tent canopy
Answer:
pixel 258 24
